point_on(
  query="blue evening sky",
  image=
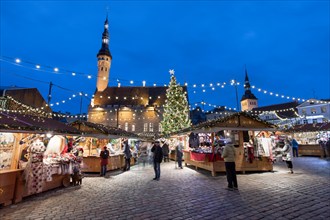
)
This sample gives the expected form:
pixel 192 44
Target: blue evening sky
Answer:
pixel 284 45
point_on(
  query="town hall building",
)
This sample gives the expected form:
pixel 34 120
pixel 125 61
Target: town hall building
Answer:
pixel 137 109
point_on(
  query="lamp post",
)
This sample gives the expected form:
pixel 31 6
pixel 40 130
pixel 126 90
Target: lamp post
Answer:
pixel 118 108
pixel 234 82
pixel 81 96
pixel 50 92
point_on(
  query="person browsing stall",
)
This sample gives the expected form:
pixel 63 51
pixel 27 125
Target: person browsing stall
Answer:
pixel 229 156
pixel 104 155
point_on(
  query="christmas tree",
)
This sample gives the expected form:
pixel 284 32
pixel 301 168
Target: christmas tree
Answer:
pixel 176 110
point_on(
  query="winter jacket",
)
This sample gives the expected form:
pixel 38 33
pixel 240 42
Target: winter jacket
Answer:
pixel 179 152
pixel 104 155
pixel 229 153
pixel 127 151
pixel 158 153
pixel 165 149
pixel 287 152
pixel 294 143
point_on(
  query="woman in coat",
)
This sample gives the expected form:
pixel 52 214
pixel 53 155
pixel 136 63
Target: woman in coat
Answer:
pixel 287 155
pixel 229 156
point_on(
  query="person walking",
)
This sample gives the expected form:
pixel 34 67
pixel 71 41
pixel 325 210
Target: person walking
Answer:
pixel 327 148
pixel 179 155
pixel 287 155
pixel 166 151
pixel 104 155
pixel 143 154
pixel 158 157
pixel 229 156
pixel 127 155
pixel 295 146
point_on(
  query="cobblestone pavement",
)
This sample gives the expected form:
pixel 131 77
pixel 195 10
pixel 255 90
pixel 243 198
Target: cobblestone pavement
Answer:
pixel 187 194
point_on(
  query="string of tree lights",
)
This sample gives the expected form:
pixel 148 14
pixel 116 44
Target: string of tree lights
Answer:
pixel 202 87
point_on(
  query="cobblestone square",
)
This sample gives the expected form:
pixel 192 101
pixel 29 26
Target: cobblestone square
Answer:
pixel 187 194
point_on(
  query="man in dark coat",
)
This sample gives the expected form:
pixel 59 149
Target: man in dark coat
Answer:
pixel 158 157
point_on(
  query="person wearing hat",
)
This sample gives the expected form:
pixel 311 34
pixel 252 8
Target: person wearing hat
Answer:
pixel 104 155
pixel 158 157
pixel 229 156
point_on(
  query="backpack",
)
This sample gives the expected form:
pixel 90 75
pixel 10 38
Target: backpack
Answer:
pixel 105 154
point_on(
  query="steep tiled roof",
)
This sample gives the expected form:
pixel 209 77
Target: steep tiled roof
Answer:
pixel 310 127
pixel 232 121
pixel 23 123
pixel 248 95
pixel 27 96
pixel 150 96
pixel 284 110
pixel 93 128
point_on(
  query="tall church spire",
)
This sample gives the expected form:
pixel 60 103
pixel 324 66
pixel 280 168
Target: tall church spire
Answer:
pixel 248 101
pixel 247 82
pixel 105 40
pixel 104 59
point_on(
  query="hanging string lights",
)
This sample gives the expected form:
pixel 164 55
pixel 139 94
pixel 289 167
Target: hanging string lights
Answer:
pixel 196 88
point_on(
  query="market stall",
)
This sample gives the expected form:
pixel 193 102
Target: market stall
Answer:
pixel 31 162
pixel 254 141
pixel 96 136
pixel 311 138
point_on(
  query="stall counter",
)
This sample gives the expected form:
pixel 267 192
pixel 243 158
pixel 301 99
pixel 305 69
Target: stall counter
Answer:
pixel 208 162
pixel 7 186
pixel 92 163
pixel 310 150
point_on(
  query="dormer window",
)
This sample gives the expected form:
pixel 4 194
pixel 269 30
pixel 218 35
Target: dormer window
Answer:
pixel 105 41
pixel 313 111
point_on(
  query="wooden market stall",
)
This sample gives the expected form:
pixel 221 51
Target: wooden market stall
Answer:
pixel 310 138
pixel 96 137
pixel 23 141
pixel 250 135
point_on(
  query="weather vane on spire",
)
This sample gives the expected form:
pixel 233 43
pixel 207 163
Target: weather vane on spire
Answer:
pixel 171 71
pixel 107 8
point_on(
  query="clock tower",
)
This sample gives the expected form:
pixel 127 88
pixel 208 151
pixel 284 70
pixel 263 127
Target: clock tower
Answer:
pixel 104 59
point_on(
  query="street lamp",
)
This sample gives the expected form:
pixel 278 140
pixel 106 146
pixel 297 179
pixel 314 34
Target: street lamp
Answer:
pixel 81 96
pixel 235 83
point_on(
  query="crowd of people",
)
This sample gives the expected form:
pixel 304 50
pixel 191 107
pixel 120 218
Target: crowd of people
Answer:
pixel 159 151
pixel 143 153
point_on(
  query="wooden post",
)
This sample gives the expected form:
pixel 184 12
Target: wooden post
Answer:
pixel 213 153
pixel 16 151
